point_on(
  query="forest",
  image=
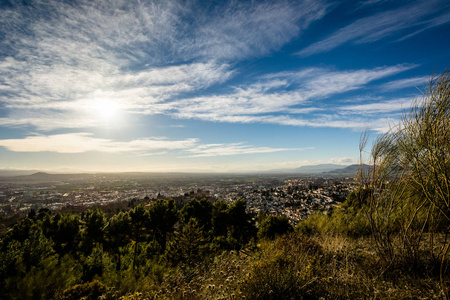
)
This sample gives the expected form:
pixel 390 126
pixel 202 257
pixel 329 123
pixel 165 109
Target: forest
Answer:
pixel 388 239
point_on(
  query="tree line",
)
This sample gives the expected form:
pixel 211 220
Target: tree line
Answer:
pixel 47 253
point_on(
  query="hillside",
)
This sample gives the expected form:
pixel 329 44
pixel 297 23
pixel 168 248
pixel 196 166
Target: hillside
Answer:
pixel 350 170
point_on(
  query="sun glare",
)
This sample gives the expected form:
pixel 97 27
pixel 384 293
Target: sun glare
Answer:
pixel 105 109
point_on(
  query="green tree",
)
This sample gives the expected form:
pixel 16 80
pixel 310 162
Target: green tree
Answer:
pixel 201 210
pixel 95 264
pixel 189 246
pixel 273 226
pixel 163 215
pixel 242 226
pixel 119 234
pixel 94 231
pixel 220 219
pixel 65 232
pixel 139 227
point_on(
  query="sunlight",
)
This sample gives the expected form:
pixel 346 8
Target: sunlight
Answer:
pixel 105 109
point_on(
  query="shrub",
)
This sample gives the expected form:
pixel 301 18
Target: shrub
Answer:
pixel 273 226
pixel 91 290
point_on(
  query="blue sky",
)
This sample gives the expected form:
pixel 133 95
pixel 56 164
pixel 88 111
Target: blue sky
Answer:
pixel 208 85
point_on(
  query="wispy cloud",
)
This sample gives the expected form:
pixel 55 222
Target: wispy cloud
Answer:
pixel 58 57
pixel 71 143
pixel 405 83
pixel 59 101
pixel 277 97
pixel 238 30
pixel 85 142
pixel 234 149
pixel 397 105
pixel 394 22
pixel 60 97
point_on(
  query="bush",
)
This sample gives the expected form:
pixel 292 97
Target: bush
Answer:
pixel 273 226
pixel 339 222
pixel 91 290
pixel 285 270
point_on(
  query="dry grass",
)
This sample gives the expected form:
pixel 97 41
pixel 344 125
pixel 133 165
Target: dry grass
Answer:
pixel 302 267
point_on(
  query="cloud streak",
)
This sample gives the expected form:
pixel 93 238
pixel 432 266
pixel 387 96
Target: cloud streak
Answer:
pixel 75 143
pixel 85 142
pixel 61 56
pixel 294 98
pixel 209 150
pixel 388 23
pixel 384 107
pixel 405 83
pixel 240 30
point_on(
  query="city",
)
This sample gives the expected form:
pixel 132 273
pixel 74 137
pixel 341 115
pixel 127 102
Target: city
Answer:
pixel 291 196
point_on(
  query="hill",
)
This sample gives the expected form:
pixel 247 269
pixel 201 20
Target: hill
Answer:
pixel 46 177
pixel 350 170
pixel 309 169
pixel 14 172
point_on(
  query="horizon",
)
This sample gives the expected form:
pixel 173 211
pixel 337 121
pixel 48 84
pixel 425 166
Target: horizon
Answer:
pixel 67 171
pixel 197 87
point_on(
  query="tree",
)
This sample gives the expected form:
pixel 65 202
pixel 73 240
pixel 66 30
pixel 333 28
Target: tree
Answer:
pixel 220 219
pixel 94 232
pixel 66 233
pixel 273 226
pixel 188 246
pixel 410 176
pixel 242 227
pixel 139 227
pixel 162 217
pixel 201 210
pixel 119 234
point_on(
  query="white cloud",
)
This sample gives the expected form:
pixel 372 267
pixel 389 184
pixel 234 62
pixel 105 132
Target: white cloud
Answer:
pixel 277 96
pixel 149 58
pixel 342 160
pixel 405 83
pixel 384 24
pixel 396 105
pixel 151 92
pixel 86 142
pixel 234 149
pixel 59 56
pixel 238 30
pixel 58 98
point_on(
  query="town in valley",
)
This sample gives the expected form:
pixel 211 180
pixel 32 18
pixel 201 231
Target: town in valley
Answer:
pixel 290 195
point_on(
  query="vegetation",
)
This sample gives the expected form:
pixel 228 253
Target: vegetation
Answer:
pixel 387 240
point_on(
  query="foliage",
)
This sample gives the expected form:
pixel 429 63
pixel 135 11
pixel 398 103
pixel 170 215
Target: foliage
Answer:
pixel 349 219
pixel 201 210
pixel 410 176
pixel 163 216
pixel 273 226
pixel 241 225
pixel 94 229
pixel 195 264
pixel 89 291
pixel 188 246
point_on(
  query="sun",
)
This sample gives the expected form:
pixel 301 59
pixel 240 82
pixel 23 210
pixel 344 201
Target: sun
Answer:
pixel 105 109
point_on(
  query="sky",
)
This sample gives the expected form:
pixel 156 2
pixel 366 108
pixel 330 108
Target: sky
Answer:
pixel 209 86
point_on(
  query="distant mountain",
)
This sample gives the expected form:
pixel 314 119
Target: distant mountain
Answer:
pixel 315 169
pixel 310 169
pixel 46 177
pixel 14 172
pixel 350 170
pixel 67 171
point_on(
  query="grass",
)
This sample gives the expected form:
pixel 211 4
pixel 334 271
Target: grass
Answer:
pixel 297 266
